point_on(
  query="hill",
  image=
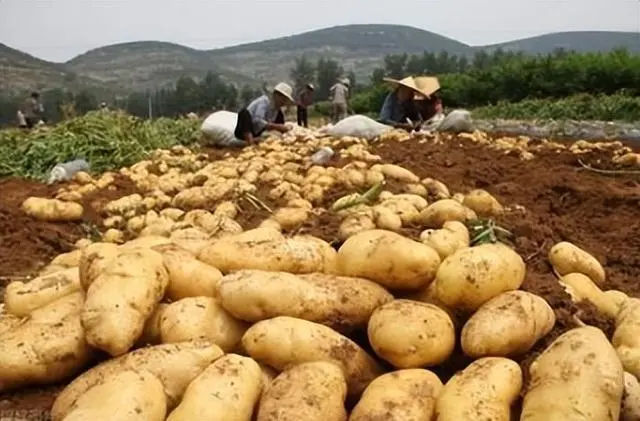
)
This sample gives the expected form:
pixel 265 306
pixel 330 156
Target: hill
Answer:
pixel 583 42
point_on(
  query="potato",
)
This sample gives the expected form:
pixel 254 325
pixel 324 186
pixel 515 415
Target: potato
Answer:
pixel 8 321
pixel 436 189
pixel 411 334
pixel 236 384
pixel 626 338
pixel 354 224
pixel 583 288
pixel 453 236
pixel 52 210
pixel 389 259
pixel 122 298
pixel 290 218
pixel 188 276
pixel 172 213
pixel 300 254
pixel 482 203
pixel 93 261
pixel 630 410
pixel 617 297
pixel 313 391
pixel 283 342
pixel 403 208
pixel 387 219
pixel 472 276
pixel 507 325
pixel 145 242
pixel 399 396
pixel 45 348
pixel 396 172
pixel 125 396
pixel 568 258
pixel 175 365
pixel 485 390
pixel 417 201
pixel 578 377
pixel 437 213
pixel 342 303
pixel 22 298
pixel 67 260
pixel 200 318
pixel 151 334
pixel 190 239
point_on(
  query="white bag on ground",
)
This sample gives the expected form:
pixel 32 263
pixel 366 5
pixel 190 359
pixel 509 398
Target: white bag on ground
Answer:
pixel 457 121
pixel 358 126
pixel 219 127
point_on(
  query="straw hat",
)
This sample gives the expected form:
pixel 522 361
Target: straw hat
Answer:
pixel 427 85
pixel 407 82
pixel 285 90
pixel 345 81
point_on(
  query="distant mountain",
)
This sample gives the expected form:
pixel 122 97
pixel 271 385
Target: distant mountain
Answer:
pixel 361 48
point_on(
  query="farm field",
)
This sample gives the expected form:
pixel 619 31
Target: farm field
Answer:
pixel 580 192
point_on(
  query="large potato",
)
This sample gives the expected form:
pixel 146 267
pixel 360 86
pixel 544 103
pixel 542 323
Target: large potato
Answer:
pixel 437 213
pixel 191 239
pixel 122 298
pixel 626 338
pixel 125 396
pixel 340 302
pixel 175 365
pixel 200 318
pixel 402 395
pixel 313 391
pixel 283 342
pixel 52 210
pixel 482 203
pixel 411 334
pixel 472 276
pixel 578 377
pixel 485 390
pixel 234 381
pixel 568 258
pixel 452 237
pixel 93 261
pixel 507 325
pixel 389 259
pixel 581 287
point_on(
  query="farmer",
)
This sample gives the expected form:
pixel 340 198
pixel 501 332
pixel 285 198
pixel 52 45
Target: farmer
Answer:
pixel 263 113
pixel 339 96
pixel 304 101
pixel 33 110
pixel 399 109
pixel 22 121
pixel 429 103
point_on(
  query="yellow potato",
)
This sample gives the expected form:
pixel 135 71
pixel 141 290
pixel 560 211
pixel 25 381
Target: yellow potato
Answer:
pixel 578 377
pixel 617 297
pixel 482 203
pixel 354 224
pixel 472 276
pixel 485 390
pixel 583 288
pixel 396 172
pixel 342 303
pixel 568 258
pixel 626 338
pixel 68 260
pixel 93 261
pixel 630 410
pixel 191 239
pixel 52 210
pixel 21 298
pixel 151 334
pixel 290 218
pixel 283 342
pixel 313 391
pixel 507 325
pixel 402 395
pixel 200 318
pixel 389 259
pixel 437 213
pixel 436 189
pixel 453 236
pixel 236 384
pixel 411 334
pixel 125 396
pixel 175 365
pixel 387 219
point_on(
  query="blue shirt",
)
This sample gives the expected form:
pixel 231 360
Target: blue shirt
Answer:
pixel 393 111
pixel 262 111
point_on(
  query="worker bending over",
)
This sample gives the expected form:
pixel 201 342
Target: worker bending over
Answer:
pixel 399 109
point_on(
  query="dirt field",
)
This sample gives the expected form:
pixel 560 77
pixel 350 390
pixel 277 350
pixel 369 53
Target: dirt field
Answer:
pixel 562 202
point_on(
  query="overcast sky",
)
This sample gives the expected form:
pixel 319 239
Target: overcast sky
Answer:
pixel 60 29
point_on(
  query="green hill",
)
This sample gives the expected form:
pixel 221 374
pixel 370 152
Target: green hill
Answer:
pixel 586 41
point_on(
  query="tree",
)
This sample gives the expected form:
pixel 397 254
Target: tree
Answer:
pixel 395 65
pixel 302 73
pixel 328 71
pixel 377 76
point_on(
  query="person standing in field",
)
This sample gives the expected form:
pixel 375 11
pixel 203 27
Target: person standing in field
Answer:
pixel 304 102
pixel 33 110
pixel 339 96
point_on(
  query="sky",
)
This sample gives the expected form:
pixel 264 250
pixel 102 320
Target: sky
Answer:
pixel 58 30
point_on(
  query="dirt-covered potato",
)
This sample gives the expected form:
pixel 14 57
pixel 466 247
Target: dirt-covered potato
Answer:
pixel 507 325
pixel 482 203
pixel 313 391
pixel 437 213
pixel 626 338
pixel 411 334
pixel 52 210
pixel 356 223
pixel 452 237
pixel 190 239
pixel 579 376
pixel 389 259
pixel 93 261
pixel 342 303
pixel 283 342
pixel 631 401
pixel 568 258
pixel 399 396
pixel 485 390
pixel 583 288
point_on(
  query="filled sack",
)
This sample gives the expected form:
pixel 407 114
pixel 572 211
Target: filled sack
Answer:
pixel 358 126
pixel 219 128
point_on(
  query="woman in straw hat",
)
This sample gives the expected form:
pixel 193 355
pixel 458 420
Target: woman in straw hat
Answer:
pixel 263 113
pixel 429 103
pixel 399 109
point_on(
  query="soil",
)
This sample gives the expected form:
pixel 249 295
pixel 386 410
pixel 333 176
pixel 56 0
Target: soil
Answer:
pixel 562 202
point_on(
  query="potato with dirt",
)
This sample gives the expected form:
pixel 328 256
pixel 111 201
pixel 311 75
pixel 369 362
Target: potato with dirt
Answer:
pixel 452 237
pixel 125 396
pixel 399 396
pixel 484 390
pixel 22 298
pixel 175 365
pixel 236 383
pixel 568 258
pixel 283 342
pixel 122 298
pixel 340 302
pixel 389 259
pixel 472 276
pixel 482 203
pixel 52 210
pixel 626 338
pixel 44 348
pixel 507 325
pixel 313 391
pixel 411 334
pixel 200 318
pixel 190 239
pixel 93 261
pixel 630 410
pixel 583 288
pixel 578 377
pixel 437 213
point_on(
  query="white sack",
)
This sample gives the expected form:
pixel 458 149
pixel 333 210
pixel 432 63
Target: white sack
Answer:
pixel 219 127
pixel 358 126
